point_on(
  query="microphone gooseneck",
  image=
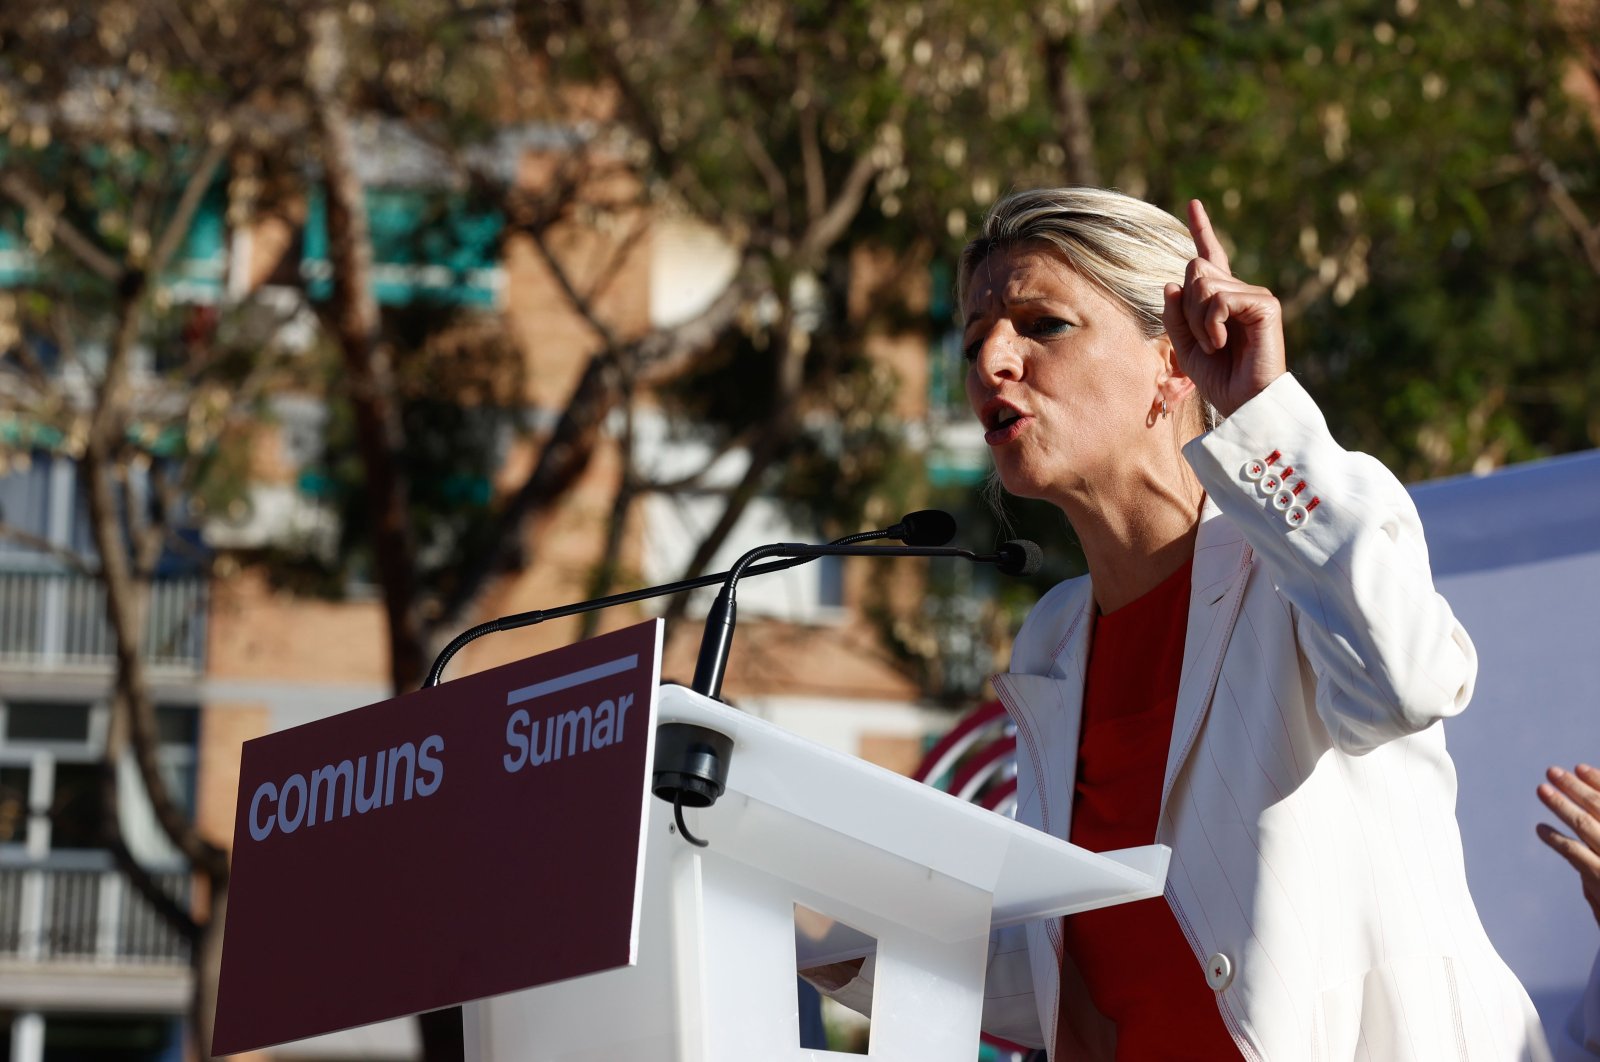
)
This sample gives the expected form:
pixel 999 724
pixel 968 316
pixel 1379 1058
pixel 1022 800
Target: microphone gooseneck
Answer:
pixel 1017 557
pixel 918 528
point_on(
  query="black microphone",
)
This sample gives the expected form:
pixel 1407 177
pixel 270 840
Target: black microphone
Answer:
pixel 926 527
pixel 1017 557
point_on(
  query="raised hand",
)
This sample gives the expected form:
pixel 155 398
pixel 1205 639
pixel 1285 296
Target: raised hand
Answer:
pixel 1574 796
pixel 1228 334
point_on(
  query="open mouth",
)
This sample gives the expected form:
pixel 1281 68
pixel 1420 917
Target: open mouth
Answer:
pixel 1004 424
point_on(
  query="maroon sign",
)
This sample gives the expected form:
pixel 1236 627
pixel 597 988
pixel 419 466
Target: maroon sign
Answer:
pixel 458 842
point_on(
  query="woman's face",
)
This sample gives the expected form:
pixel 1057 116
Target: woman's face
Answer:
pixel 1059 374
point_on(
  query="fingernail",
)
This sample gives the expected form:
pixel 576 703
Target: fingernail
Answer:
pixel 1546 790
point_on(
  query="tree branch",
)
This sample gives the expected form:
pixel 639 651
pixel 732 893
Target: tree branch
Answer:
pixel 1555 183
pixel 810 149
pixel 1074 126
pixel 825 231
pixel 571 444
pixel 643 119
pixel 369 374
pixel 125 603
pixel 71 558
pixel 579 304
pixel 194 192
pixel 777 187
pixel 97 260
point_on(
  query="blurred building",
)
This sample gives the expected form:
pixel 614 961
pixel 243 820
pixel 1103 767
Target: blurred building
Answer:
pixel 86 966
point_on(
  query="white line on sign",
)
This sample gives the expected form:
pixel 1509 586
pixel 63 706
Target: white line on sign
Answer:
pixel 576 678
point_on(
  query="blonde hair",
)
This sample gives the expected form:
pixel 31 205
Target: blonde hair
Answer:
pixel 1128 247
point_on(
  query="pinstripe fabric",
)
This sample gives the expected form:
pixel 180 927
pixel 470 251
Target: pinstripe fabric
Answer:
pixel 1308 798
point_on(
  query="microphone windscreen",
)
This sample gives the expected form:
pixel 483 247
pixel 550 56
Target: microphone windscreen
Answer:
pixel 1020 557
pixel 926 527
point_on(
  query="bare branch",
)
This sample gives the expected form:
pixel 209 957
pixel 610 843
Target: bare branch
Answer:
pixel 579 303
pixel 825 231
pixel 173 15
pixel 694 479
pixel 616 519
pixel 571 444
pixel 640 113
pixel 70 557
pixel 1555 183
pixel 777 187
pixel 33 368
pixel 98 261
pixel 811 149
pixel 1074 126
pixel 763 455
pixel 194 192
pixel 609 273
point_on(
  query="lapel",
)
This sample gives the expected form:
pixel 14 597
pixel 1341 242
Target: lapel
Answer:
pixel 1048 708
pixel 1221 562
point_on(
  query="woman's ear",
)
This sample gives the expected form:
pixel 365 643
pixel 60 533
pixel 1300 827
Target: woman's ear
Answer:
pixel 1173 385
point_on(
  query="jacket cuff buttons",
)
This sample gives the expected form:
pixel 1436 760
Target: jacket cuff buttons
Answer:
pixel 1282 488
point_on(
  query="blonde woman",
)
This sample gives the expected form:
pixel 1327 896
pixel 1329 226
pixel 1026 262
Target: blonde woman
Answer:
pixel 1253 671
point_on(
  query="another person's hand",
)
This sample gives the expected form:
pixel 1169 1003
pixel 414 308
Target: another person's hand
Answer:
pixel 1228 335
pixel 1574 796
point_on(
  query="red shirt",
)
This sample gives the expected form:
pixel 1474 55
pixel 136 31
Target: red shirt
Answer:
pixel 1141 972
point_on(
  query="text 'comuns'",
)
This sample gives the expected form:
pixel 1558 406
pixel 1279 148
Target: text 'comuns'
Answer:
pixel 346 787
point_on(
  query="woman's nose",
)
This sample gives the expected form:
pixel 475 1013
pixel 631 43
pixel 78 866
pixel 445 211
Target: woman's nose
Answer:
pixel 999 356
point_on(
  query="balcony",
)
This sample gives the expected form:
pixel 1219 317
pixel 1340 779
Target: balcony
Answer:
pixel 75 934
pixel 86 915
pixel 56 622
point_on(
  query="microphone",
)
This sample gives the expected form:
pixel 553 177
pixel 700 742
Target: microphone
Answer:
pixel 925 527
pixel 1017 557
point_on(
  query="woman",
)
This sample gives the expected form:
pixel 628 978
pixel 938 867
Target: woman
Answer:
pixel 1250 673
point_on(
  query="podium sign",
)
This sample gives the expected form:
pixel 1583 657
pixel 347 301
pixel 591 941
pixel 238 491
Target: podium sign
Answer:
pixel 452 844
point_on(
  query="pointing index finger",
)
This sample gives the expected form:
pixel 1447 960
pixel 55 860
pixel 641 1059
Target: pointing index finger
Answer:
pixel 1205 238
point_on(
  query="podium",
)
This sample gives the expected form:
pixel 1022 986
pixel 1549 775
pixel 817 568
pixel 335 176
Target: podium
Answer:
pixel 897 868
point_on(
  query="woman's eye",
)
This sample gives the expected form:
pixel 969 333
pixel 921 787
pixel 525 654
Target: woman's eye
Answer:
pixel 970 351
pixel 1050 326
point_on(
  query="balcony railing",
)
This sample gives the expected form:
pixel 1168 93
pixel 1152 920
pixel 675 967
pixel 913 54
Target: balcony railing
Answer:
pixel 55 621
pixel 91 915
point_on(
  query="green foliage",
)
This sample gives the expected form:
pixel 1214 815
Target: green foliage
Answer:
pixel 1367 166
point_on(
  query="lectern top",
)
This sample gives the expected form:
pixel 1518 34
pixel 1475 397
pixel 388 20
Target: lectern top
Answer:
pixel 798 809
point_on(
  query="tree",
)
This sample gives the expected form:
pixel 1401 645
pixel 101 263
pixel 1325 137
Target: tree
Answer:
pixel 104 174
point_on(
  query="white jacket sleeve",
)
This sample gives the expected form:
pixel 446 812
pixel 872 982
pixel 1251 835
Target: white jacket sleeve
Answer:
pixel 1345 547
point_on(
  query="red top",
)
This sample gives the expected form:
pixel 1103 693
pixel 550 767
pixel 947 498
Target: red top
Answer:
pixel 1141 972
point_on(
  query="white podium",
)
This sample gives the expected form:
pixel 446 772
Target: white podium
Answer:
pixel 924 874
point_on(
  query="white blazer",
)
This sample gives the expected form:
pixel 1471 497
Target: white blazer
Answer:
pixel 1308 798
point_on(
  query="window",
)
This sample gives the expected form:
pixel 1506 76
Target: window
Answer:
pixel 47 722
pixel 14 781
pixel 51 797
